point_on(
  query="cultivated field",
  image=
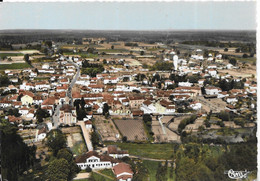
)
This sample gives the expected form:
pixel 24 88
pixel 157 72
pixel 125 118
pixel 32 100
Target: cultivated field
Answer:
pixel 133 129
pixel 106 129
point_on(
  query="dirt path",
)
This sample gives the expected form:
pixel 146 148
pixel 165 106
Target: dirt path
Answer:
pixel 82 176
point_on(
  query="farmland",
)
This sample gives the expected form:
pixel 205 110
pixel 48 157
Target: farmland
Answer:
pixel 131 128
pixel 14 66
pixel 148 150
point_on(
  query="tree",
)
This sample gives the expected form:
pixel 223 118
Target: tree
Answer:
pixel 27 59
pixel 68 156
pixel 226 50
pixel 245 55
pixel 16 156
pixel 124 139
pixel 58 169
pixel 233 61
pixel 56 140
pixel 112 47
pixel 41 114
pixel 4 81
pixel 48 43
pixel 105 109
pixel 94 139
pixel 142 53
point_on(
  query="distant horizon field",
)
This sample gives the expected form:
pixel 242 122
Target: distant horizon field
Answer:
pixel 14 66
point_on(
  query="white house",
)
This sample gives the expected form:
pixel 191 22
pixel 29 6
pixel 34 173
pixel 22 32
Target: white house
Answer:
pixel 231 99
pixel 95 161
pixel 212 90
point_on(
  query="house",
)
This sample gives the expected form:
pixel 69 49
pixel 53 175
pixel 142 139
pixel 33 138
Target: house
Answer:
pixel 5 103
pixel 195 105
pixel 96 88
pixel 88 124
pixel 123 172
pixel 111 80
pixel 231 99
pixel 135 101
pixel 212 90
pixel 114 152
pixel 49 102
pixel 24 111
pixel 93 160
pixel 27 98
pixel 212 72
pixel 67 115
pixel 42 133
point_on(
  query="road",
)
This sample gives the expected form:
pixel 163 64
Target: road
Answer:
pixel 72 83
pixel 86 135
pixel 55 117
pixel 159 119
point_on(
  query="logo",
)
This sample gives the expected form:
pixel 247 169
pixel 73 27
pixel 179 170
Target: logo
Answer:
pixel 237 174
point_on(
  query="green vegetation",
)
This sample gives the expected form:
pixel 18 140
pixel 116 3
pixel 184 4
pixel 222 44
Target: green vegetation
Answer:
pixel 56 140
pixel 164 66
pixel 4 80
pixel 16 156
pixel 151 167
pixel 147 119
pixel 62 165
pixel 4 55
pixel 185 122
pixel 108 172
pixel 79 148
pixel 112 50
pixel 91 68
pixel 156 151
pixel 15 66
pixel 83 55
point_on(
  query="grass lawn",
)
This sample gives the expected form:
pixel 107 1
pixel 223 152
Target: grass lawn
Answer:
pixel 2 55
pixel 79 148
pixel 108 172
pixel 112 50
pixel 156 151
pixel 41 78
pixel 247 60
pixel 14 66
pixel 152 168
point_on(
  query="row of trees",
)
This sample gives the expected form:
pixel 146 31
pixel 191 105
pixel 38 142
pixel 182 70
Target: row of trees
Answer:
pixel 16 156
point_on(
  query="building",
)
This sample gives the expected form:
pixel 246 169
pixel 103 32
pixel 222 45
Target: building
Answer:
pixel 95 161
pixel 114 152
pixel 67 115
pixel 27 98
pixel 123 172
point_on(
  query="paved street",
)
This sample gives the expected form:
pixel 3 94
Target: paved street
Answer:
pixel 55 117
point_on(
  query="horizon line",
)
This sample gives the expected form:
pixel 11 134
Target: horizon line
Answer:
pixel 127 30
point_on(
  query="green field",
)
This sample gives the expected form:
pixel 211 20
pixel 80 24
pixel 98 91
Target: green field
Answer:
pixel 2 55
pixel 15 66
pixel 83 55
pixel 108 172
pixel 148 150
pixel 112 50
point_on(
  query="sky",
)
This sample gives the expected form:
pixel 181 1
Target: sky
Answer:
pixel 232 15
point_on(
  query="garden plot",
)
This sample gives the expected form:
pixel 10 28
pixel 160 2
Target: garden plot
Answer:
pixel 131 128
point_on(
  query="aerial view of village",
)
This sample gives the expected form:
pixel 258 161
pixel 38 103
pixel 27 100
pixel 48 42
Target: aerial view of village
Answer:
pixel 128 105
